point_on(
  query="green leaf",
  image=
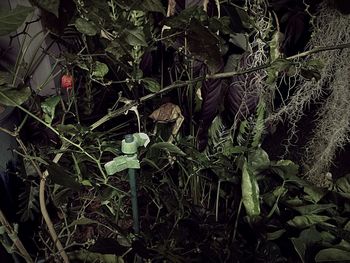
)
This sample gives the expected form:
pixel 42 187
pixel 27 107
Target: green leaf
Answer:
pixel 333 255
pixel 49 108
pixel 100 70
pixel 153 6
pixel 135 37
pixel 307 220
pixel 14 97
pixel 151 84
pixel 205 45
pixel 85 27
pixel 342 186
pixel 5 78
pixel 307 238
pixel 258 160
pixel 49 5
pixel 10 20
pixel 240 40
pixel 250 191
pixel 275 235
pixel 314 208
pixel 58 175
pixel 167 146
pixel 314 194
pixel 285 168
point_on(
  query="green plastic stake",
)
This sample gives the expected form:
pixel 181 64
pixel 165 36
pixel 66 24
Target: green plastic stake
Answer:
pixel 129 161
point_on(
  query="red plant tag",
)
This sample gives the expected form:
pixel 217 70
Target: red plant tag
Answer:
pixel 67 81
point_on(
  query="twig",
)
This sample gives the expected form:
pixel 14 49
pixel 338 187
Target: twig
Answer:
pixel 42 200
pixel 15 239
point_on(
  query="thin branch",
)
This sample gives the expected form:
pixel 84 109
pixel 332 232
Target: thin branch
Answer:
pixel 42 200
pixel 15 239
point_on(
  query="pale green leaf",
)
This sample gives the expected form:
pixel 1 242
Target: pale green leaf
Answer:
pixel 86 27
pixel 151 84
pixel 14 97
pixel 250 191
pixel 100 70
pixel 49 108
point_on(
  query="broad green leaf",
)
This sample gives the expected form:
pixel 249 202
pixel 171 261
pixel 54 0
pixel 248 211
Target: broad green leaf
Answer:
pixel 250 191
pixel 307 220
pixel 85 27
pixel 285 168
pixel 14 97
pixel 314 208
pixel 151 84
pixel 333 255
pixel 49 108
pixel 49 5
pixel 307 238
pixel 100 70
pixel 258 160
pixel 153 6
pixel 135 37
pixel 167 146
pixel 10 20
pixel 314 194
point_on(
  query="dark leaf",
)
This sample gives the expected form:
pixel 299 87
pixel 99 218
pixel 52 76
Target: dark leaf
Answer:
pixel 58 175
pixel 108 246
pixel 204 45
pixel 306 239
pixel 152 6
pixel 10 20
pixel 167 146
pixel 212 95
pixel 333 255
pixel 49 5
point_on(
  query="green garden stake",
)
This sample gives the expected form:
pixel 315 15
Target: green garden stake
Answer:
pixel 129 161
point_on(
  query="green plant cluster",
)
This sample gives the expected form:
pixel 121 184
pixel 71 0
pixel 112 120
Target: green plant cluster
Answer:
pixel 228 203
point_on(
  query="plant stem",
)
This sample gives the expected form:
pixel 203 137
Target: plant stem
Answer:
pixel 14 238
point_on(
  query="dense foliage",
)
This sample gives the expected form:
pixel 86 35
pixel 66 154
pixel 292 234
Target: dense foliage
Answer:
pixel 207 81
